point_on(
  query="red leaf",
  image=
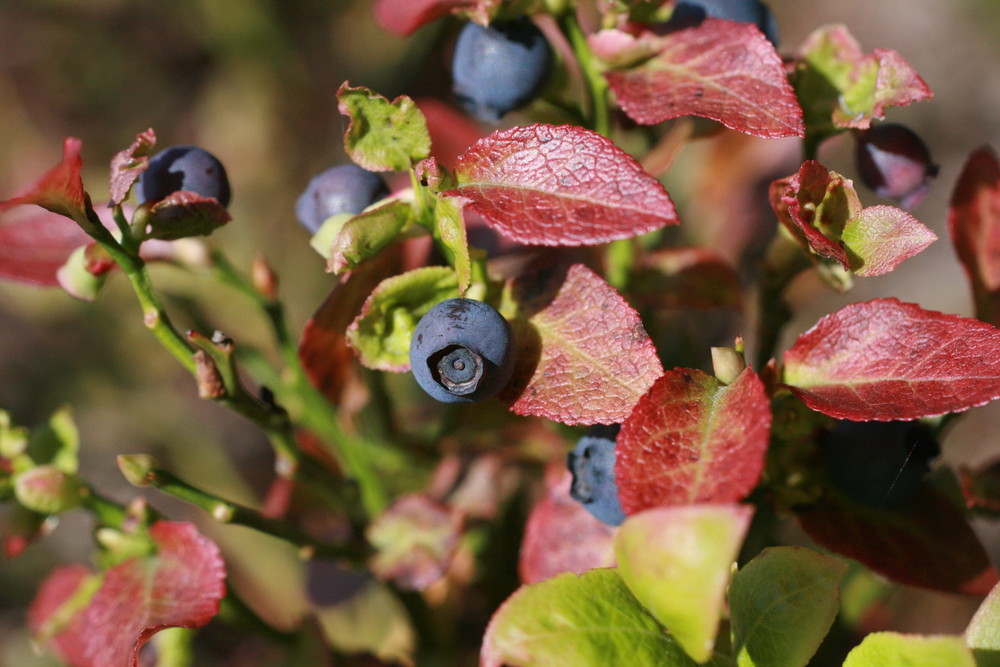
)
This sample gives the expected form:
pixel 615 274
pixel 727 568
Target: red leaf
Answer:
pixel 886 360
pixel 974 223
pixel 925 542
pixel 880 238
pixel 719 69
pixel 33 248
pixel 560 185
pixel 583 356
pixel 180 586
pixel 61 189
pixel 403 17
pixel 692 439
pixel 128 165
pixel 416 539
pixel 323 349
pixel 182 214
pixel 562 536
pixel 814 205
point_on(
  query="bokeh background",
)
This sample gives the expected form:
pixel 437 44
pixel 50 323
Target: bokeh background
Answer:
pixel 254 82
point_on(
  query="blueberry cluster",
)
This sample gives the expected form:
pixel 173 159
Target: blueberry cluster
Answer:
pixel 462 351
pixel 592 463
pixel 498 68
pixel 346 188
pixel 184 168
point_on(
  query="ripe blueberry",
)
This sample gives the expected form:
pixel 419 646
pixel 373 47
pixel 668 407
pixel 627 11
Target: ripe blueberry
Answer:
pixel 499 68
pixel 895 163
pixel 879 464
pixel 741 11
pixel 592 463
pixel 462 351
pixel 346 188
pixel 184 168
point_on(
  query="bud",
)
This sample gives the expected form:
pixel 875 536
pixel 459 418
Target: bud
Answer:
pixel 47 490
pixel 138 469
pixel 263 278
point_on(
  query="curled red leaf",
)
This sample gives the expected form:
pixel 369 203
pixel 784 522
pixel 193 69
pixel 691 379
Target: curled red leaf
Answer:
pixel 127 165
pixel 885 360
pixel 692 439
pixel 560 185
pixel 60 190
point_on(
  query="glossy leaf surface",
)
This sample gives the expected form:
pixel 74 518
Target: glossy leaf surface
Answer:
pixel 886 360
pixel 691 439
pixel 583 356
pixel 560 185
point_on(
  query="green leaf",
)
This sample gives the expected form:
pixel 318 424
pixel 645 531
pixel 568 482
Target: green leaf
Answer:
pixel 383 135
pixel 880 649
pixel 677 560
pixel 371 621
pixel 782 605
pixel 577 621
pixel 983 633
pixel 878 238
pixel 449 229
pixel 381 334
pixel 57 442
pixel 366 234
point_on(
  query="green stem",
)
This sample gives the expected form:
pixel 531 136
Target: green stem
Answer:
pixel 784 260
pixel 225 511
pixel 597 86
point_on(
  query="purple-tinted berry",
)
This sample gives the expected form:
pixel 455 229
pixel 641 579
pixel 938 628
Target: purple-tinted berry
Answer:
pixel 592 463
pixel 346 188
pixel 895 163
pixel 879 464
pixel 184 168
pixel 741 11
pixel 499 68
pixel 462 351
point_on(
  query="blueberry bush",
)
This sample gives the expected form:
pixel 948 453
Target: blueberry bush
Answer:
pixel 554 408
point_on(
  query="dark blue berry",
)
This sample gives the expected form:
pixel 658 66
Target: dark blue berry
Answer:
pixel 592 463
pixel 895 163
pixel 499 68
pixel 346 188
pixel 879 464
pixel 462 351
pixel 184 168
pixel 742 11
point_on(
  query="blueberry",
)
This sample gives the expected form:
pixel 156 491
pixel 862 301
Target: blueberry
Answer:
pixel 462 351
pixel 592 463
pixel 184 168
pixel 499 68
pixel 895 163
pixel 879 464
pixel 742 11
pixel 346 188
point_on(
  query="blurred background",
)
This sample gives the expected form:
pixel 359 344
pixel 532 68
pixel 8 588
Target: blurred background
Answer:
pixel 254 82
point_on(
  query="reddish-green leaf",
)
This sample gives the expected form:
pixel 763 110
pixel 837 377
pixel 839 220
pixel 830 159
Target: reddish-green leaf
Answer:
pixel 403 17
pixel 560 185
pixel 840 86
pixel 886 360
pixel 983 633
pixel 60 190
pixel 34 247
pixel 719 69
pixel 128 165
pixel 692 439
pixel 879 238
pixel 974 223
pixel 180 585
pixel 561 536
pixel 183 213
pixel 583 356
pixel 415 539
pixel 981 488
pixel 925 542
